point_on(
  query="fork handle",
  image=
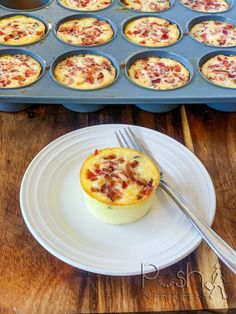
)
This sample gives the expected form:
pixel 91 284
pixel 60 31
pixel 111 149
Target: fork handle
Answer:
pixel 225 252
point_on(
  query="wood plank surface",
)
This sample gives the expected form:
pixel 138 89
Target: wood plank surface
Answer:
pixel 34 281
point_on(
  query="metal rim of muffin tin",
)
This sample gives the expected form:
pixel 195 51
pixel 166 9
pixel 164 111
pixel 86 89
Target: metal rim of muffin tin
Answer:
pixel 71 53
pixel 133 18
pixel 230 2
pixel 48 27
pixel 83 15
pixel 45 3
pixel 203 59
pixel 19 51
pixel 172 2
pixel 205 18
pixel 162 54
pixel 84 11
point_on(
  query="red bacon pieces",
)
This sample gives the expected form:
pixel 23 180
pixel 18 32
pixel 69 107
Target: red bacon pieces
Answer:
pixel 91 176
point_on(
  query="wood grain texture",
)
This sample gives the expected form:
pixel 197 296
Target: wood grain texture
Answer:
pixel 34 281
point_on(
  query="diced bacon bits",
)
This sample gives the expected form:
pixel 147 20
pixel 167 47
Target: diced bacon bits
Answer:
pixel 221 70
pixel 215 33
pixel 21 30
pixel 152 31
pixel 147 5
pixel 118 177
pixel 158 73
pixel 18 70
pixel 86 5
pixel 87 31
pixel 207 5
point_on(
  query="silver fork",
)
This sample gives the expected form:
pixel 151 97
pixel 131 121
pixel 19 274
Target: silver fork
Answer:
pixel 227 254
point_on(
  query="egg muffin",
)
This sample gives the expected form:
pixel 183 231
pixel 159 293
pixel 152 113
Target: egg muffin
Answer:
pixel 158 73
pixel 221 70
pixel 21 30
pixel 85 71
pixel 215 33
pixel 213 6
pixel 86 31
pixel 18 70
pixel 86 5
pixel 152 31
pixel 146 5
pixel 119 184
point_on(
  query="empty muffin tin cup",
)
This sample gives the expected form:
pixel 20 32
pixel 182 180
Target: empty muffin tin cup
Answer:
pixel 80 16
pixel 161 54
pixel 230 2
pixel 128 20
pixel 26 5
pixel 211 17
pixel 172 2
pixel 39 18
pixel 210 55
pixel 85 11
pixel 84 52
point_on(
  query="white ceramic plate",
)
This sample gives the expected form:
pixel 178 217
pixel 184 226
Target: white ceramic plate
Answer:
pixel 54 210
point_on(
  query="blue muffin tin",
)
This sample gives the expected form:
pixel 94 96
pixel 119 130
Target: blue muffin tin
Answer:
pixel 122 91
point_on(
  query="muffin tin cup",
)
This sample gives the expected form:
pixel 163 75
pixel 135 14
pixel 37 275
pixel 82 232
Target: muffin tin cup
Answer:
pixel 26 5
pixel 210 55
pixel 83 52
pixel 13 107
pixel 133 18
pixel 39 18
pixel 161 54
pixel 231 4
pixel 204 18
pixel 157 108
pixel 83 108
pixel 17 51
pixel 172 2
pixel 84 11
pixel 83 15
pixel 229 107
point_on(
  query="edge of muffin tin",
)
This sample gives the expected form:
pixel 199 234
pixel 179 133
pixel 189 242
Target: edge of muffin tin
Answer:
pixel 172 2
pixel 135 17
pixel 204 58
pixel 210 17
pixel 231 3
pixel 162 54
pixel 19 51
pixel 63 56
pixel 39 18
pixel 84 11
pixel 83 15
pixel 28 10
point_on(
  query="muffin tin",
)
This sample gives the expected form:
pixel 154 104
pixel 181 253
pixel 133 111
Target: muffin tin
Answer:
pixel 121 51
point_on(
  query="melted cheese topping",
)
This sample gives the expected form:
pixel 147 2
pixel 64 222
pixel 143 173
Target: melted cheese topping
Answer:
pixel 215 33
pixel 152 31
pixel 207 5
pixel 86 5
pixel 18 70
pixel 119 176
pixel 158 73
pixel 85 32
pixel 85 72
pixel 20 30
pixel 147 5
pixel 221 70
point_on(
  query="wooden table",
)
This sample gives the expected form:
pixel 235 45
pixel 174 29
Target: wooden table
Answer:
pixel 34 281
